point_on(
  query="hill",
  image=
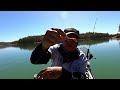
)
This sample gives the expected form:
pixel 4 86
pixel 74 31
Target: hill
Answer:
pixel 37 39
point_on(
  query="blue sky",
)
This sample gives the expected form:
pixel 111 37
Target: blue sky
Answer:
pixel 18 24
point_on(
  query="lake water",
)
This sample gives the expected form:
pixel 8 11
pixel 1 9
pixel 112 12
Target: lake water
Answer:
pixel 15 61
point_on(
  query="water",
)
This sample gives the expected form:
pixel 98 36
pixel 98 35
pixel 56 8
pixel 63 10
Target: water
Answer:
pixel 15 61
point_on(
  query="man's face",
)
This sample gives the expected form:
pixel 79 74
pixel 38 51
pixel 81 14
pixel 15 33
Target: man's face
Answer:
pixel 71 42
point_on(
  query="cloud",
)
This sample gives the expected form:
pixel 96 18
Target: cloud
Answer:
pixel 64 15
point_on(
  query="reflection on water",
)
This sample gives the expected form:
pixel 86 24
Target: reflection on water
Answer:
pixel 2 47
pixel 92 42
pixel 27 46
pixel 81 42
pixel 119 43
pixel 118 39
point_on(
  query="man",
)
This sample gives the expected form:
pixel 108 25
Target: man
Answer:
pixel 68 62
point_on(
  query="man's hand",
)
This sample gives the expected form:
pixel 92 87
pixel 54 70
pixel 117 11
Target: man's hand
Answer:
pixel 52 37
pixel 50 73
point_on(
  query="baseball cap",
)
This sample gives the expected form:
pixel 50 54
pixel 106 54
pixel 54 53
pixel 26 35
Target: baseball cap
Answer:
pixel 71 31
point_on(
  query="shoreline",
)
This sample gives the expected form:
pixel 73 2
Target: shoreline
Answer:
pixel 117 37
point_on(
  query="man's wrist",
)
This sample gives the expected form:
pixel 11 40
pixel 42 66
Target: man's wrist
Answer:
pixel 43 48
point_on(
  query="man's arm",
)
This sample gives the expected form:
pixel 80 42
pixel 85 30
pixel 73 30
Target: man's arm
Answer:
pixel 56 72
pixel 40 56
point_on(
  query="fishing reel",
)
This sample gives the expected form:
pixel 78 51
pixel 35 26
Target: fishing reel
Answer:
pixel 87 52
pixel 90 56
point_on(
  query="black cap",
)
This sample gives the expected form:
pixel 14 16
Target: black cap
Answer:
pixel 71 31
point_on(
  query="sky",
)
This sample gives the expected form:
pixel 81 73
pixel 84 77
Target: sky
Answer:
pixel 19 24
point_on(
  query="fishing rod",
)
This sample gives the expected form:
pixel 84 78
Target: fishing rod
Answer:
pixel 88 51
pixel 94 25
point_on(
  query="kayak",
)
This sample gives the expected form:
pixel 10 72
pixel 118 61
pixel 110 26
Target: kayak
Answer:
pixel 89 72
